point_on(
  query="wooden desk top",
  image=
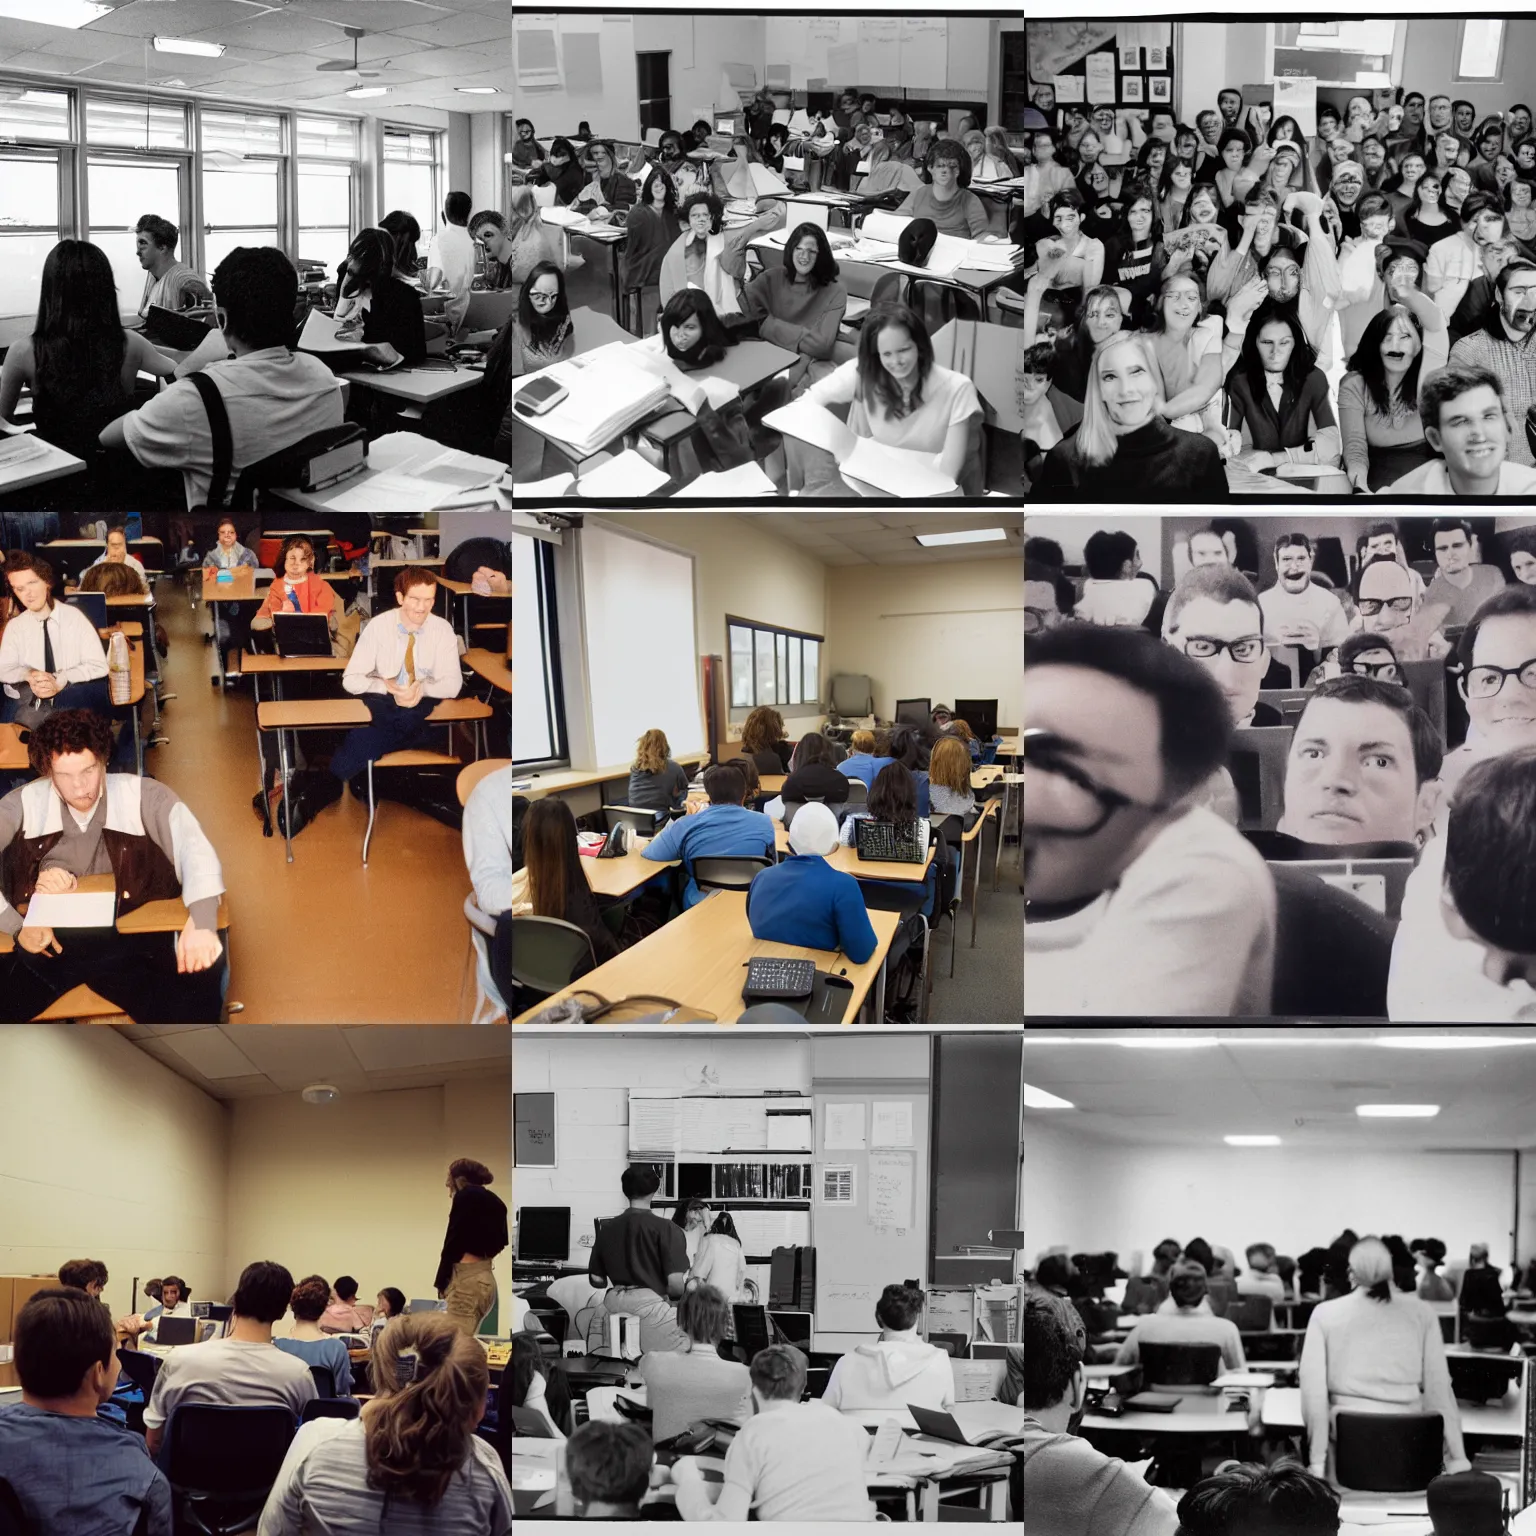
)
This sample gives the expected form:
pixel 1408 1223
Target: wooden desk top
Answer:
pixel 848 861
pixel 618 877
pixel 493 668
pixel 242 584
pixel 304 714
pixel 771 783
pixel 130 627
pixel 379 565
pixel 700 958
pixel 295 533
pixel 168 916
pixel 560 779
pixel 472 773
pixel 13 755
pixel 252 663
pixel 981 777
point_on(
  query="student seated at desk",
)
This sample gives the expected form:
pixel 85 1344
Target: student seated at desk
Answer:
pixel 372 299
pixel 862 762
pixel 51 657
pixel 552 880
pixel 560 170
pixel 513 249
pixel 650 228
pixel 692 335
pixel 242 1370
pixel 723 828
pixel 947 200
pixel 608 1467
pixel 693 1382
pixel 74 1472
pixel 79 363
pixel 609 190
pixel 229 554
pixel 273 397
pixel 541 331
pixel 526 149
pixel 899 1368
pixel 76 819
pixel 116 553
pixel 710 258
pixel 305 1340
pixel 173 1299
pixel 812 774
pixel 414 1462
pixel 893 799
pixel 299 589
pixel 342 1314
pixel 168 283
pixel 451 257
pixel 792 1460
pixel 910 746
pixel 534 1388
pixel 804 901
pixel 901 397
pixel 1187 1324
pixel 689 176
pixel 799 304
pixel 764 740
pixel 656 783
pixel 949 779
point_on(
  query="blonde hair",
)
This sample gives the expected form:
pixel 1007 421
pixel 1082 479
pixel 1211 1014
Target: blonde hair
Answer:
pixel 431 1380
pixel 950 765
pixel 522 208
pixel 862 741
pixel 764 728
pixel 651 753
pixel 1096 437
pixel 1370 1262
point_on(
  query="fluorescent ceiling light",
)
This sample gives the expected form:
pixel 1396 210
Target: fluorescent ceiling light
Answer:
pixel 1251 1141
pixel 1136 1043
pixel 189 45
pixel 367 90
pixel 477 90
pixel 970 536
pixel 73 14
pixel 1038 1098
pixel 1449 1042
pixel 1397 1111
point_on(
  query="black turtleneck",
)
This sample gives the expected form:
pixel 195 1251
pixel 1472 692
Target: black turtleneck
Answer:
pixel 1157 462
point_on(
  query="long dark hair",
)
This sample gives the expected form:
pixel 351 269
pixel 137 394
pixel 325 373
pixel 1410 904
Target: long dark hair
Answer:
pixel 370 259
pixel 825 270
pixel 1138 189
pixel 1303 358
pixel 78 345
pixel 893 795
pixel 557 881
pixel 669 203
pixel 725 1227
pixel 406 233
pixel 542 329
pixel 1368 364
pixel 874 381
pixel 714 338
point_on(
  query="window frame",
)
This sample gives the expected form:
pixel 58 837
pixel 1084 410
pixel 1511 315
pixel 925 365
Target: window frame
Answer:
pixel 434 212
pixel 1394 68
pixel 544 586
pixel 792 656
pixel 1497 77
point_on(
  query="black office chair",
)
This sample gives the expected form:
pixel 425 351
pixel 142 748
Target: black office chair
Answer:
pixel 1487 1332
pixel 330 1408
pixel 529 1422
pixel 1252 1314
pixel 546 953
pixel 13 1518
pixel 907 900
pixel 1332 952
pixel 141 1368
pixel 734 873
pixel 1180 1365
pixel 222 1463
pixel 938 302
pixel 325 1380
pixel 1387 1452
pixel 1485 1380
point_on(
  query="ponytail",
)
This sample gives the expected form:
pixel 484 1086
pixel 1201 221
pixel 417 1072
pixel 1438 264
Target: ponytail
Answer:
pixel 1380 1291
pixel 432 1381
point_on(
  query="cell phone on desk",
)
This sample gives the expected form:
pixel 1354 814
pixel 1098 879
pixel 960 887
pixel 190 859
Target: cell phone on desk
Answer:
pixel 539 396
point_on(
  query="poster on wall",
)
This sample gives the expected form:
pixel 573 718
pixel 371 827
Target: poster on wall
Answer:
pixel 1159 88
pixel 1130 58
pixel 1296 96
pixel 1100 74
pixel 1157 57
pixel 1069 88
pixel 1130 88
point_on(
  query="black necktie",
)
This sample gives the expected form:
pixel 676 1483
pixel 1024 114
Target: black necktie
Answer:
pixel 699 248
pixel 47 649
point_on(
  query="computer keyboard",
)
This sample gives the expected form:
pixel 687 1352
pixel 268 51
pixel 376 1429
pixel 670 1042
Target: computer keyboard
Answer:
pixel 774 980
pixel 884 842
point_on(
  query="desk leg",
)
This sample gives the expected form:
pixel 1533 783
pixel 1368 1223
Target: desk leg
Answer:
pixel 138 739
pixel 880 990
pixel 1002 827
pixel 930 1499
pixel 282 750
pixel 613 276
pixel 218 647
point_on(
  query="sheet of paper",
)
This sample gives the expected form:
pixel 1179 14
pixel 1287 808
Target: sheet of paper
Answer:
pixel 319 335
pixel 789 1133
pixel 1296 96
pixel 763 1231
pixel 1100 76
pixel 813 424
pixel 843 1128
pixel 886 1442
pixel 744 480
pixel 72 909
pixel 890 1189
pixel 890 1123
pixel 555 485
pixel 391 492
pixel 654 1124
pixel 897 471
pixel 627 475
pixel 23 449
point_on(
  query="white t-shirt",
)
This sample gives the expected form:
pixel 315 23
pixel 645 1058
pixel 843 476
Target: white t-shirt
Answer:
pixel 802 1463
pixel 235 1373
pixel 1189 930
pixel 948 398
pixel 1114 602
pixel 1316 606
pixel 452 252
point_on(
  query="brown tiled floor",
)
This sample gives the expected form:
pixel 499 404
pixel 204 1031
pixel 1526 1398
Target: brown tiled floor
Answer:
pixel 321 940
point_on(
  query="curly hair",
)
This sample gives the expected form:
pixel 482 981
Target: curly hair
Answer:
pixel 311 1296
pixel 764 727
pixel 67 731
pixel 470 1171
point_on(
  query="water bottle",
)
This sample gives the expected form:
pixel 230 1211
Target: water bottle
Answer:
pixel 119 670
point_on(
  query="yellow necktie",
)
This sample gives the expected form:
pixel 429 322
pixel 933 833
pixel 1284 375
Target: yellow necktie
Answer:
pixel 410 658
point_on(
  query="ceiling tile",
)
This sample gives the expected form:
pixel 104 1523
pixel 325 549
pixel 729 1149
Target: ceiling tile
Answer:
pixel 467 27
pixel 376 15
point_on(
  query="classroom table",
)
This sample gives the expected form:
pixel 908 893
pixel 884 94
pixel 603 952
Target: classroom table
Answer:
pixel 382 459
pixel 53 465
pixel 464 589
pixel 13 753
pixel 421 385
pixel 472 773
pixel 240 588
pixel 168 915
pixel 848 861
pixel 277 667
pixel 612 240
pixel 703 954
pixel 627 872
pixel 770 783
pixel 534 786
pixel 491 666
pixel 981 777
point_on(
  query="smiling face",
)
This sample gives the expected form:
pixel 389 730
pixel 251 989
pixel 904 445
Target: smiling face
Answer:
pixel 1127 387
pixel 1293 565
pixel 1209 124
pixel 1523 563
pixel 1506 721
pixel 805 254
pixel 1180 303
pixel 1350 775
pixel 1096 178
pixel 416 604
pixel 1067 219
pixel 1138 219
pixel 687 335
pixel 1473 437
pixel 1275 344
pixel 898 354
pixel 700 223
pixel 1348 184
pixel 29 589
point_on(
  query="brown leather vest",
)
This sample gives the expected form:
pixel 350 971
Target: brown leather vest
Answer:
pixel 140 868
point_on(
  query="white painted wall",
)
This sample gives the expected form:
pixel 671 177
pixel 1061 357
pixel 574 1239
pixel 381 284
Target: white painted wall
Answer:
pixel 1092 1195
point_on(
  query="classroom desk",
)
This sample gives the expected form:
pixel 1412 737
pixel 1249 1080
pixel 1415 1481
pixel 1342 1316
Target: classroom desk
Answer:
pixel 770 783
pixel 700 958
pixel 848 861
pixel 53 465
pixel 612 240
pixel 278 667
pixel 166 916
pixel 13 754
pixel 981 777
pixel 240 588
pixel 493 668
pixel 619 876
pixel 135 696
pixel 421 386
pixel 465 589
pixel 472 773
pixel 560 779
pixel 383 458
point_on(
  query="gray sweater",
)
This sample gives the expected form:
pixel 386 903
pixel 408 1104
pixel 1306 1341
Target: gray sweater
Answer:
pixel 664 791
pixel 1071 1489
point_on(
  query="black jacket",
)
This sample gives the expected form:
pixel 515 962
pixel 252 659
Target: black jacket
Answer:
pixel 1156 462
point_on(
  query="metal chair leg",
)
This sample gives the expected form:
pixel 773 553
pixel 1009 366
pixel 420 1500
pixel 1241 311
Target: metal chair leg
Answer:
pixel 372 810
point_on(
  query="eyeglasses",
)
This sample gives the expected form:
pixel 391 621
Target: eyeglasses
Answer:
pixel 1374 605
pixel 1386 671
pixel 1204 647
pixel 1487 682
pixel 1064 800
pixel 542 296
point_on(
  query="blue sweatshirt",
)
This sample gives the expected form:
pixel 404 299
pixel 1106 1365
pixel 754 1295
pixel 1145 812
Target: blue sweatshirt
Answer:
pixel 715 831
pixel 867 767
pixel 805 901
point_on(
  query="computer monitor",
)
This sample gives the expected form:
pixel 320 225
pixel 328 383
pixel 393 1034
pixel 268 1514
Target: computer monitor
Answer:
pixel 92 604
pixel 725 125
pixel 1180 1365
pixel 914 711
pixel 980 715
pixel 752 1330
pixel 177 1330
pixel 795 1326
pixel 544 1233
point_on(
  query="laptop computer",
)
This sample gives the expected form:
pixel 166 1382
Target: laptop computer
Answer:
pixel 488 311
pixel 177 1330
pixel 942 1426
pixel 301 634
pixel 172 329
pixel 92 604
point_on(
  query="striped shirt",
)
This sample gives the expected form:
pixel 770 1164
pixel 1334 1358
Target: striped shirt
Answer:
pixel 178 288
pixel 1513 363
pixel 323 1486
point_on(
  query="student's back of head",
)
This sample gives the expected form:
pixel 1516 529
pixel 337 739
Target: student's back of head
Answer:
pixel 725 784
pixel 421 1426
pixel 557 883
pixel 893 795
pixel 609 1466
pixel 779 1373
pixel 704 1314
pixel 1248 1499
pixel 113 580
pixel 862 741
pixel 64 1345
pixel 813 747
pixel 256 287
pixel 899 1307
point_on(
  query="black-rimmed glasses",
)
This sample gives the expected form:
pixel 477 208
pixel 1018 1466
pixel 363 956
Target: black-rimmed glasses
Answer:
pixel 1060 798
pixel 1374 605
pixel 1204 647
pixel 1487 682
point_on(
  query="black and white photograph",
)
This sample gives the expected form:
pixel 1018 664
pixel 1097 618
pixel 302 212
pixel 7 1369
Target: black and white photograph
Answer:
pixel 766 253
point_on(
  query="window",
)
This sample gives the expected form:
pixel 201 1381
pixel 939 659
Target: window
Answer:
pixel 135 125
pixel 34 116
pixel 242 185
pixel 654 71
pixel 326 138
pixel 242 133
pixel 325 211
pixel 772 666
pixel 1480 49
pixel 120 191
pixel 1368 53
pixel 29 226
pixel 410 176
pixel 538 723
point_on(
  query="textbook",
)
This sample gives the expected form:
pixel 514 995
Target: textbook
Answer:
pixel 608 395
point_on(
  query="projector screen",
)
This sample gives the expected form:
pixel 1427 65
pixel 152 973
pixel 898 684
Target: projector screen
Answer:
pixel 533 703
pixel 642 658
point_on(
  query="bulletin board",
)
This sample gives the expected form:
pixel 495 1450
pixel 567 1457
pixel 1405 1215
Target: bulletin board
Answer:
pixel 869 1213
pixel 1104 63
pixel 533 1130
pixel 915 53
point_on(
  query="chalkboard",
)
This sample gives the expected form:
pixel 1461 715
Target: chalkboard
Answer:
pixel 533 1127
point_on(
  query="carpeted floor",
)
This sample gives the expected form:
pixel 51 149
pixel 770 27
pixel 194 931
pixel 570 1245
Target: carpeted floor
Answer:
pixel 988 985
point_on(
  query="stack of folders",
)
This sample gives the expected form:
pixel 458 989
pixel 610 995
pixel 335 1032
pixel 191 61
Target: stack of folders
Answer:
pixel 607 397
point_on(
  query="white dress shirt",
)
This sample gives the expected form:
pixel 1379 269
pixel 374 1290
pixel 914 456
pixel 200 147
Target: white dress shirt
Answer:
pixel 380 654
pixel 77 650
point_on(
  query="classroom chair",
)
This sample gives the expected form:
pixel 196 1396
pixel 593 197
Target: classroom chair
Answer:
pixel 728 873
pixel 1180 1365
pixel 1332 951
pixel 528 1422
pixel 330 1408
pixel 908 900
pixel 1387 1452
pixel 1426 681
pixel 546 952
pixel 489 1003
pixel 141 1368
pixel 938 302
pixel 1256 761
pixel 1289 701
pixel 325 1380
pixel 1252 1314
pixel 222 1462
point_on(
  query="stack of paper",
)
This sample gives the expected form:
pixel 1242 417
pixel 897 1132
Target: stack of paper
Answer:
pixel 629 475
pixel 813 424
pixel 320 335
pixel 22 449
pixel 606 398
pixel 896 471
pixel 752 181
pixel 745 480
pixel 564 218
pixel 879 241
